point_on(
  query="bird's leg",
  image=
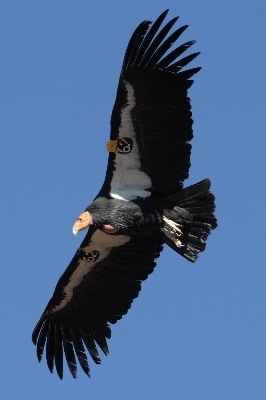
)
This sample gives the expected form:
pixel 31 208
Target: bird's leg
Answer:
pixel 172 230
pixel 173 227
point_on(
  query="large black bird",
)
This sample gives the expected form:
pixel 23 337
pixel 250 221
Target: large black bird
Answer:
pixel 141 205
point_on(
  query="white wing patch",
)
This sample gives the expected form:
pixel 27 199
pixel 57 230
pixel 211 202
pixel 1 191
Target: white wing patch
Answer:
pixel 102 243
pixel 128 180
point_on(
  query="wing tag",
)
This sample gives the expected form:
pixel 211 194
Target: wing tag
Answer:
pixel 111 146
pixel 122 146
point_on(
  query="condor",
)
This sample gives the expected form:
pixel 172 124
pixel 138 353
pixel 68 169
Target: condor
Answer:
pixel 141 205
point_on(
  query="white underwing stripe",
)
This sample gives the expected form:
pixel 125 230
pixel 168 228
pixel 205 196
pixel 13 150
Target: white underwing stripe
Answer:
pixel 128 180
pixel 101 242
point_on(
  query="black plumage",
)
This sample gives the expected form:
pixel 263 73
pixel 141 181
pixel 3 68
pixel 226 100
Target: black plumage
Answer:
pixel 141 205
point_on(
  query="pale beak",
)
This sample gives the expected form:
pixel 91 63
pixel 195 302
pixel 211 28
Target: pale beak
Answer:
pixel 83 221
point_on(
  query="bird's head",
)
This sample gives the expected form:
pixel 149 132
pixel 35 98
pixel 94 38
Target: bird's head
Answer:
pixel 83 221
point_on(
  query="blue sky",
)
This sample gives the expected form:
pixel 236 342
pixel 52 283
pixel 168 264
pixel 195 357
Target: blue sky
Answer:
pixel 196 332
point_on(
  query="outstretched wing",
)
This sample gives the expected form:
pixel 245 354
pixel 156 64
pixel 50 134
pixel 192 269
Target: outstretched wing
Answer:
pixel 97 288
pixel 151 123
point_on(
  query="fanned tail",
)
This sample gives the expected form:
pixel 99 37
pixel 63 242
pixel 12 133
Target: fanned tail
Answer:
pixel 199 201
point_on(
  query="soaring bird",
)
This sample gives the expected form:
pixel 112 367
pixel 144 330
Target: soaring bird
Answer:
pixel 141 205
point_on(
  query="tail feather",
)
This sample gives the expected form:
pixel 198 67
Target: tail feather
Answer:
pixel 199 201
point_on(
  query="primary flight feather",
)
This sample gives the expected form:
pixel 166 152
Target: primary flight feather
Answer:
pixel 141 205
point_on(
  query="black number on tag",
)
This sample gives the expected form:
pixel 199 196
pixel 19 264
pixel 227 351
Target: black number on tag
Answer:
pixel 124 145
pixel 92 256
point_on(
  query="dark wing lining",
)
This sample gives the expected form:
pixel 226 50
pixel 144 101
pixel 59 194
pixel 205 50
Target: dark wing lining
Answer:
pixel 161 116
pixel 97 288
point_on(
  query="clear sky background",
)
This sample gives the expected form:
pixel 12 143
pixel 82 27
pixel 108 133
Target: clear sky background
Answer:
pixel 197 331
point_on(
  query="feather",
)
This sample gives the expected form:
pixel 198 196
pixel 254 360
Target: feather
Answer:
pixel 50 346
pixel 58 349
pixel 149 37
pixel 68 349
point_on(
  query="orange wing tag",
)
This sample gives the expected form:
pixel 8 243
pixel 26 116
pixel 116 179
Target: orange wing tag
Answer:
pixel 112 146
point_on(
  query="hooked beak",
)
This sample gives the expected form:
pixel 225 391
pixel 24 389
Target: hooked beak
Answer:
pixel 83 221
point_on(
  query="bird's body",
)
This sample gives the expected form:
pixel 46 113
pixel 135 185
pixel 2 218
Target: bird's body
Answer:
pixel 141 205
pixel 133 216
